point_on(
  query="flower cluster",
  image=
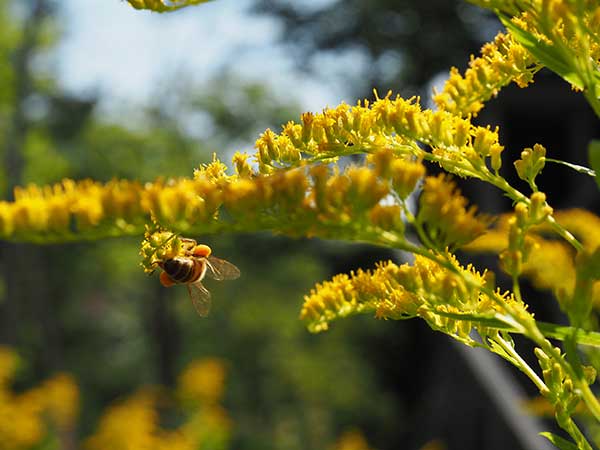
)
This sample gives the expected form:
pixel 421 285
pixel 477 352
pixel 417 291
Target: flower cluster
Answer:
pixel 70 209
pixel 359 203
pixel 562 35
pixel 425 289
pixel 28 418
pixel 295 190
pixel 317 200
pixel 397 124
pixel 158 245
pixel 501 62
pixel 133 423
pixel 444 215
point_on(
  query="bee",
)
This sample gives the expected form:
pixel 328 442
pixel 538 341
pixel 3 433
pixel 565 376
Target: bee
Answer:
pixel 191 267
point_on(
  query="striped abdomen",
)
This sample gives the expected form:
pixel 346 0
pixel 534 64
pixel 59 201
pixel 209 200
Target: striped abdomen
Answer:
pixel 184 270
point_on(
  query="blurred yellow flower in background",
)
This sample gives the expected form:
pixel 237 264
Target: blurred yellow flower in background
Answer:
pixel 28 418
pixel 352 439
pixel 134 423
pixel 202 381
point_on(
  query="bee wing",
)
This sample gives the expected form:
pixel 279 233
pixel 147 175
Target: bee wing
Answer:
pixel 200 298
pixel 220 270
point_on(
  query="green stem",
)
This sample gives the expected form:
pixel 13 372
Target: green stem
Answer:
pixel 567 424
pixel 549 330
pixel 521 363
pixel 516 322
pixel 534 333
pixel 565 234
pixel 517 196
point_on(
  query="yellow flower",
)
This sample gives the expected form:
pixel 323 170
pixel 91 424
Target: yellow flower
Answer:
pixel 501 62
pixel 352 439
pixel 295 190
pixel 562 35
pixel 425 290
pixel 396 124
pixel 443 213
pixel 202 381
pixel 8 365
pixel 61 399
pixel 133 423
pixel 24 417
pixel 405 175
pixel 387 217
pixel 127 425
pixel 21 424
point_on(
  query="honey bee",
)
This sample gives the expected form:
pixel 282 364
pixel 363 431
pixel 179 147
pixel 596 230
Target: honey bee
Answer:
pixel 191 267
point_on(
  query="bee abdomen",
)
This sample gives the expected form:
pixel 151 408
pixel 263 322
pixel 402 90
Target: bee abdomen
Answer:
pixel 179 269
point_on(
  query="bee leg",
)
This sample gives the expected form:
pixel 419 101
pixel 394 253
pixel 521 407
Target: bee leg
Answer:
pixel 166 280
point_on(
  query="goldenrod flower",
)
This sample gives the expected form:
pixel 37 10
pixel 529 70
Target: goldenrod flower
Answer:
pixel 352 439
pixel 25 417
pixel 57 399
pixel 202 381
pixel 501 62
pixel 133 423
pixel 531 163
pixel 21 423
pixel 294 190
pixel 61 399
pixel 444 215
pixel 424 289
pixel 8 365
pixel 562 35
pixel 127 425
pixel 396 124
pixel 405 175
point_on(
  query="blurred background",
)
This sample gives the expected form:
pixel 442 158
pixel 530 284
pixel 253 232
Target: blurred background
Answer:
pixel 96 89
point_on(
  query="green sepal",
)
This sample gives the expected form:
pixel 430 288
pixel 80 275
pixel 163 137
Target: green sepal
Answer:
pixel 561 443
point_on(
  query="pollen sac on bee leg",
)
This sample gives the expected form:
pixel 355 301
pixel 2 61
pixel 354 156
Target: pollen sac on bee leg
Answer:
pixel 202 251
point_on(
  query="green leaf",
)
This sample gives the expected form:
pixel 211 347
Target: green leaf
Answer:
pixel 561 443
pixel 594 155
pixel 576 167
pixel 549 330
pixel 547 54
